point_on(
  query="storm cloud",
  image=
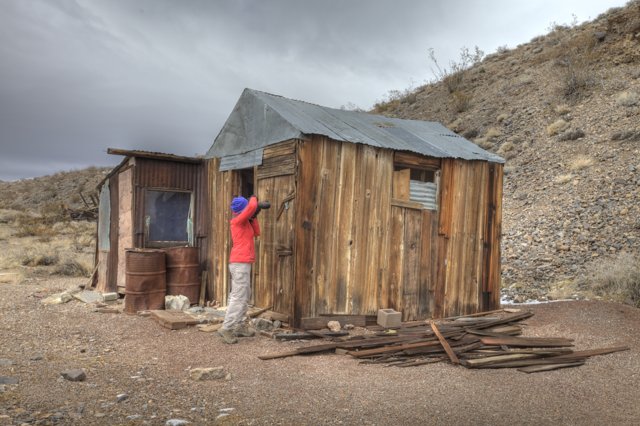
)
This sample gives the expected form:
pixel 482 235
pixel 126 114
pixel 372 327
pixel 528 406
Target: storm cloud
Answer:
pixel 77 77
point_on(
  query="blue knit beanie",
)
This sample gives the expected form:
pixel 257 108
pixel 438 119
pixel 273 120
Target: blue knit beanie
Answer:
pixel 238 204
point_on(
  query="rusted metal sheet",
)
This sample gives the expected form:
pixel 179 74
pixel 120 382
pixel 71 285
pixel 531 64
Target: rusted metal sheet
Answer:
pixel 146 282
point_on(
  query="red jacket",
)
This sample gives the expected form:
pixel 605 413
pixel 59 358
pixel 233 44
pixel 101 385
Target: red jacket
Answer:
pixel 242 232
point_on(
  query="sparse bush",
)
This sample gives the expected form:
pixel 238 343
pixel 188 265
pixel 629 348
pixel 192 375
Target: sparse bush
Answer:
pixel 571 135
pixel 453 76
pixel 562 109
pixel 461 100
pixel 33 226
pixel 502 117
pixel 619 279
pixel 580 162
pixel 484 143
pixel 493 133
pixel 71 268
pixel 557 127
pixel 506 147
pixel 471 133
pixel 563 179
pixel 630 135
pixel 40 260
pixel 627 99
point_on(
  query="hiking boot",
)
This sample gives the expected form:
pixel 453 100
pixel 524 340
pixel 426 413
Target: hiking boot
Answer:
pixel 227 336
pixel 243 331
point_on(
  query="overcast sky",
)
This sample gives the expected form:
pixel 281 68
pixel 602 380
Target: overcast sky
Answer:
pixel 80 76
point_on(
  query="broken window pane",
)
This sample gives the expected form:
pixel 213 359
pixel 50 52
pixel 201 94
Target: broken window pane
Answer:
pixel 167 216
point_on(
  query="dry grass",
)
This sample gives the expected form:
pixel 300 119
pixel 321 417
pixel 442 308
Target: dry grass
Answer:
pixel 557 127
pixel 35 249
pixel 562 109
pixel 492 133
pixel 580 162
pixel 461 100
pixel 563 179
pixel 627 99
pixel 619 279
pixel 502 117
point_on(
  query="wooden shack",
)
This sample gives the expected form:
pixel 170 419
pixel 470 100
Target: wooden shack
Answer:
pixel 368 212
pixel 150 200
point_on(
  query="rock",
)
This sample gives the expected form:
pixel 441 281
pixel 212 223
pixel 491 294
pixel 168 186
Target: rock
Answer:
pixel 134 417
pixel 122 397
pixel 36 357
pixel 74 375
pixel 196 310
pixel 334 326
pixel 108 297
pixel 176 303
pixel 211 373
pixel 176 422
pixel 600 35
pixel 88 296
pixel 277 324
pixel 348 327
pixel 5 380
pixel 6 362
pixel 262 324
pixel 57 299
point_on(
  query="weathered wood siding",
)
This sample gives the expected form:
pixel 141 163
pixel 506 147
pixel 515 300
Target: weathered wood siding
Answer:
pixel 336 242
pixel 468 275
pixel 342 225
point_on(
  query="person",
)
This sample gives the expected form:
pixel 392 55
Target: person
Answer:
pixel 244 228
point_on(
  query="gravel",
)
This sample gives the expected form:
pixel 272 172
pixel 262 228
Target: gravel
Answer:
pixel 131 355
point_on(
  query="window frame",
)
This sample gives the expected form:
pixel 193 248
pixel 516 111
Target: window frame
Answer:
pixel 146 220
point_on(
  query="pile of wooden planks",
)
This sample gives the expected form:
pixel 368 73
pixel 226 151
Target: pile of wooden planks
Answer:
pixel 473 342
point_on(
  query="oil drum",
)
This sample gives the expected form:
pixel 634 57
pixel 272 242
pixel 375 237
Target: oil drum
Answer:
pixel 146 281
pixel 183 272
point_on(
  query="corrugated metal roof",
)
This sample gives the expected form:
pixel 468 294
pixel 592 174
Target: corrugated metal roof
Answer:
pixel 260 119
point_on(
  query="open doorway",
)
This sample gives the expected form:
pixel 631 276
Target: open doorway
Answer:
pixel 246 183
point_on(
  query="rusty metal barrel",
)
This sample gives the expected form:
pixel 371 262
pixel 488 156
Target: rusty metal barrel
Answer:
pixel 183 272
pixel 146 280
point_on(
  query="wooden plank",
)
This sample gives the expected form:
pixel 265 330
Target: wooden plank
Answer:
pixel 401 191
pixel 411 291
pixel 407 204
pixel 277 166
pixel 531 342
pixel 203 287
pixel 345 216
pixel 498 359
pixel 415 160
pixel 452 356
pixel 174 320
pixel 316 323
pixel 307 191
pixel 393 296
pixel 549 367
pixel 593 352
pixel 279 149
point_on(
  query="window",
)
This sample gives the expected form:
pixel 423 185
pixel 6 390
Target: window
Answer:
pixel 417 185
pixel 167 218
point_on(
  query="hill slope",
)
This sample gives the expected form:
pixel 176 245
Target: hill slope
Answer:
pixel 564 110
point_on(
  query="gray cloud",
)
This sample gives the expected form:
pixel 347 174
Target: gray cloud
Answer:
pixel 79 76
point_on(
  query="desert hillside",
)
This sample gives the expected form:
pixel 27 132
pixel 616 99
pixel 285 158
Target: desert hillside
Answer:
pixel 564 111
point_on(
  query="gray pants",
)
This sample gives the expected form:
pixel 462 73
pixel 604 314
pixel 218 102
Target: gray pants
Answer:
pixel 240 295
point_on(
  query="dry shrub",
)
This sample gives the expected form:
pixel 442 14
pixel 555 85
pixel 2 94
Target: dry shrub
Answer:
pixel 580 162
pixel 627 99
pixel 40 260
pixel 461 100
pixel 492 133
pixel 506 148
pixel 563 179
pixel 502 117
pixel 33 226
pixel 557 127
pixel 71 268
pixel 619 278
pixel 562 109
pixel 484 143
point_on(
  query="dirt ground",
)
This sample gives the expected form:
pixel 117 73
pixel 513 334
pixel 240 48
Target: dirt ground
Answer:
pixel 132 355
